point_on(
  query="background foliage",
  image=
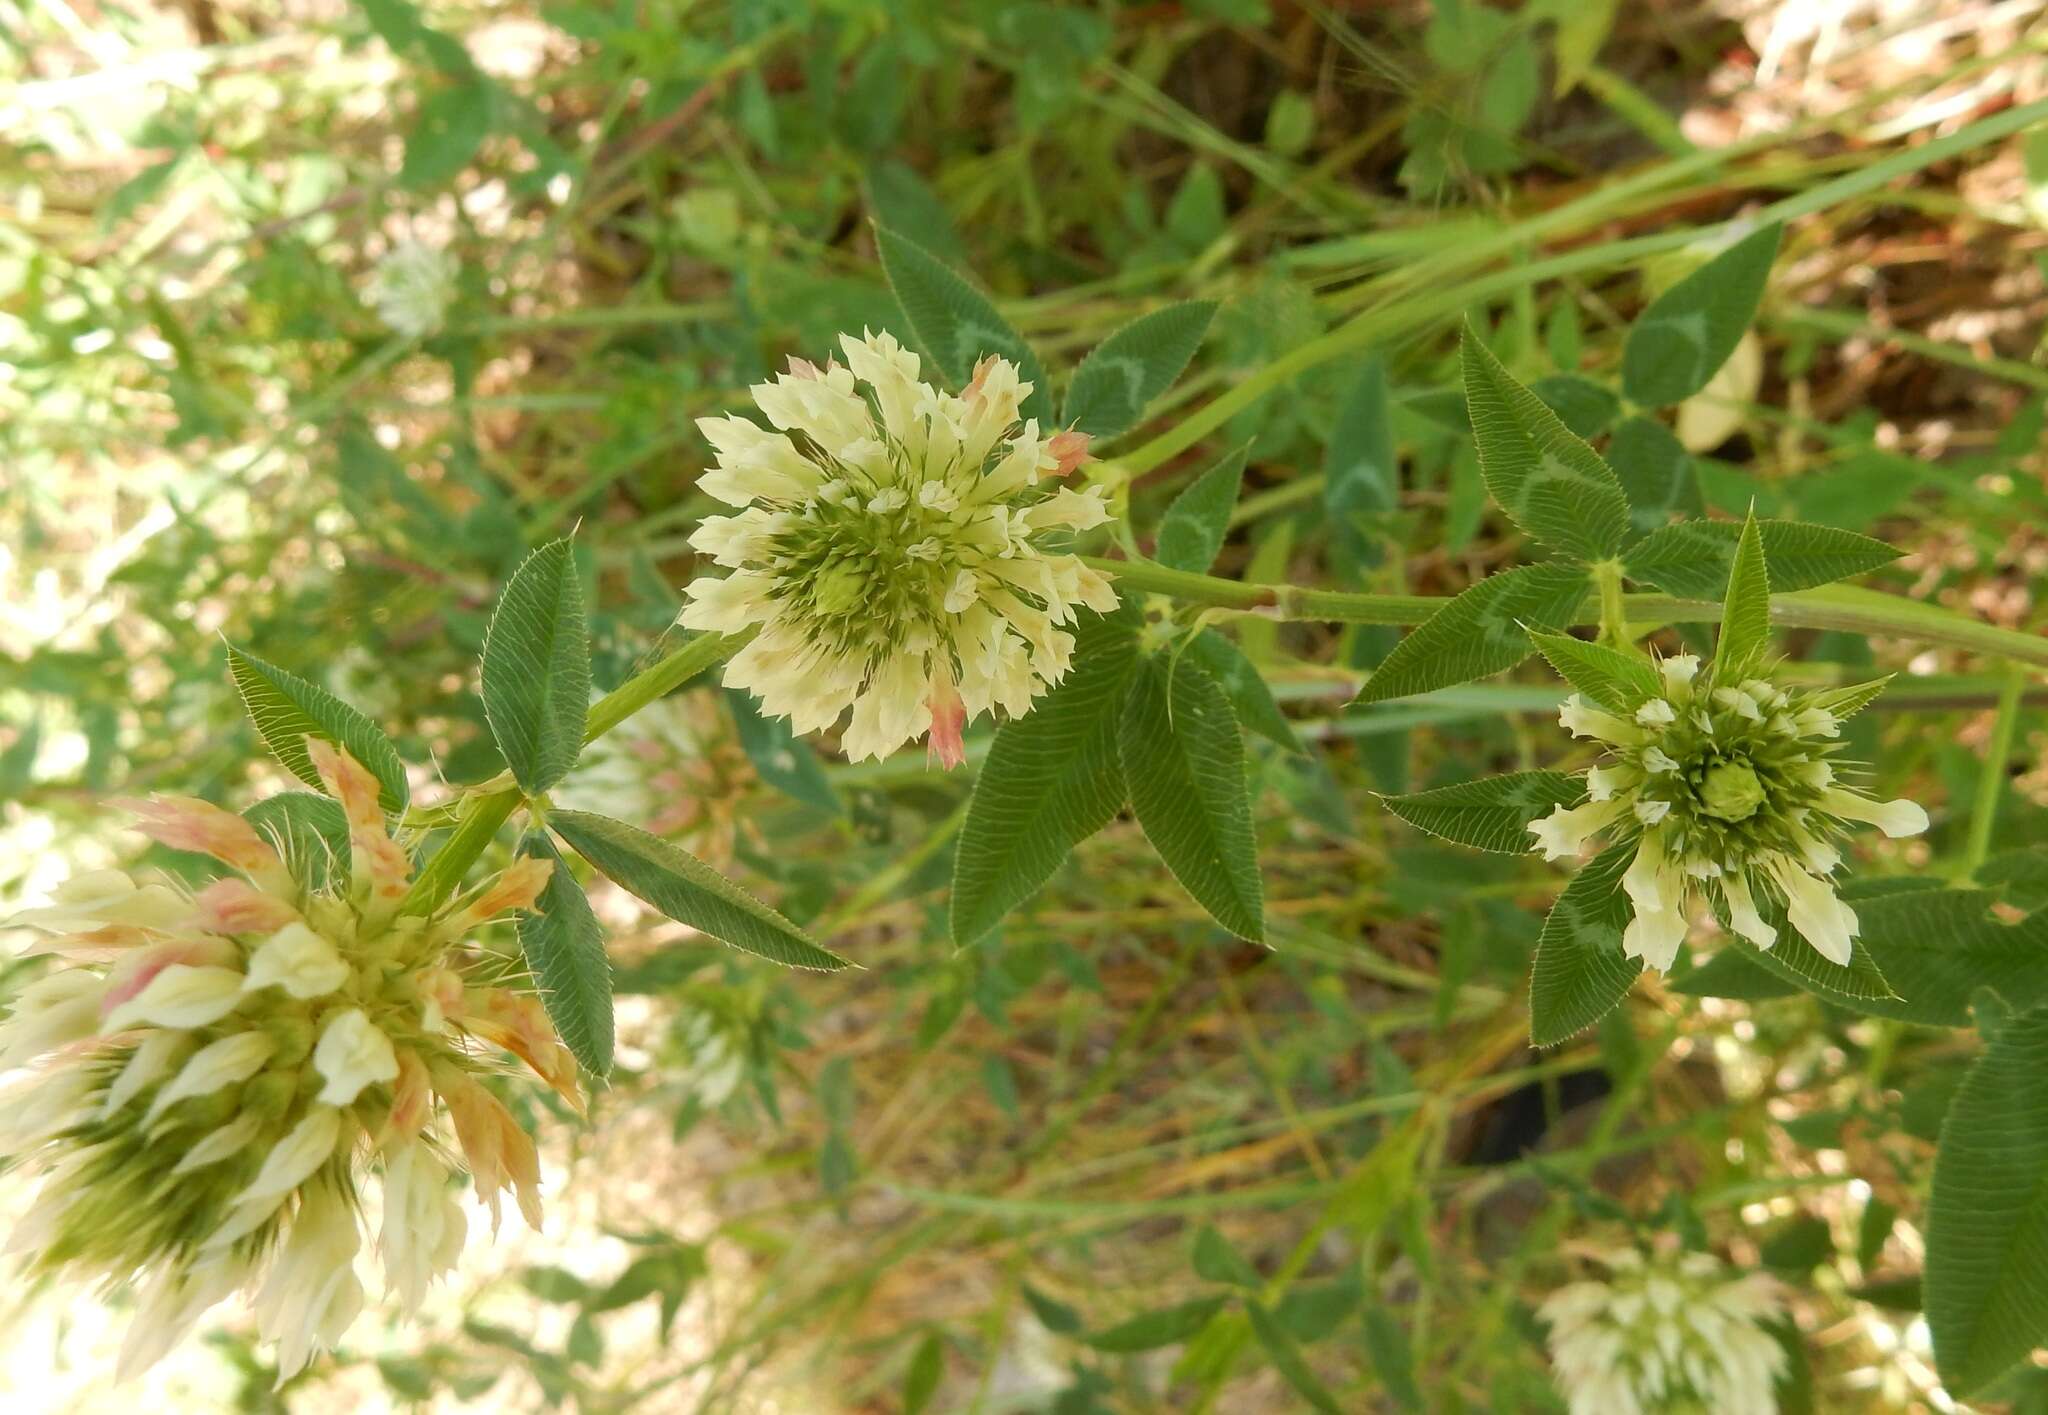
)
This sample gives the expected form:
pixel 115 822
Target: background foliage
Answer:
pixel 1108 1157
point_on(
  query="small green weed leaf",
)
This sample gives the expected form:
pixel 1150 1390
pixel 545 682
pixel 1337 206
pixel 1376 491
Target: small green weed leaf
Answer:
pixel 1586 408
pixel 286 710
pixel 689 891
pixel 1549 482
pixel 310 832
pixel 1051 780
pixel 780 757
pixel 564 948
pixel 1245 688
pixel 921 1378
pixel 1659 475
pixel 1393 1360
pixel 1692 559
pixel 1216 1260
pixel 1680 342
pixel 1987 1220
pixel 1361 478
pixel 1620 682
pixel 536 668
pixel 1184 762
pixel 954 322
pixel 1140 361
pixel 451 124
pixel 1746 612
pixel 1152 1330
pixel 1492 813
pixel 1480 632
pixel 1054 1315
pixel 1733 973
pixel 1192 530
pixel 1580 971
pixel 1287 1360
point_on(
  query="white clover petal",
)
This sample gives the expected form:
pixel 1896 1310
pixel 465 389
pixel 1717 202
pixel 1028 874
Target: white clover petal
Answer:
pixel 227 1062
pixel 352 1054
pixel 1819 915
pixel 1897 819
pixel 1742 911
pixel 181 995
pixel 298 960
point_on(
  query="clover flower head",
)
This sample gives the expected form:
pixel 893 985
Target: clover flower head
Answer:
pixel 1667 1335
pixel 412 288
pixel 209 1080
pixel 676 768
pixel 895 553
pixel 1726 788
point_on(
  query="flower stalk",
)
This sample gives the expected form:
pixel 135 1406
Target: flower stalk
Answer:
pixel 1834 607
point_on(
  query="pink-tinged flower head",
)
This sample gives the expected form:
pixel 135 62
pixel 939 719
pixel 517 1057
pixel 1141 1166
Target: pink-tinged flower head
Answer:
pixel 219 1075
pixel 897 551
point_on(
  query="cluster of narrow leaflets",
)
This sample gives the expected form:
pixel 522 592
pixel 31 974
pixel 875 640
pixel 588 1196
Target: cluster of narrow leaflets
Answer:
pixel 1666 1335
pixel 895 554
pixel 1730 787
pixel 212 1078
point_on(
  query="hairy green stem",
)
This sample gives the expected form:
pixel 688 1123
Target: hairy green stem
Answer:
pixel 1613 604
pixel 1833 607
pixel 485 814
pixel 1991 780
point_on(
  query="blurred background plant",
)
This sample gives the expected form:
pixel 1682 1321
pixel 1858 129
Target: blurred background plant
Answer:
pixel 315 317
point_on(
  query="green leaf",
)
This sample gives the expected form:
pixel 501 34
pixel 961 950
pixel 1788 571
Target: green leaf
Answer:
pixel 310 832
pixel 1586 408
pixel 1192 530
pixel 1860 983
pixel 1054 1315
pixel 287 710
pixel 1620 682
pixel 564 948
pixel 536 668
pixel 1657 473
pixel 1987 1220
pixel 1152 1330
pixel 1492 813
pixel 1933 949
pixel 1581 971
pixel 1549 482
pixel 1051 780
pixel 1287 1360
pixel 1681 340
pixel 1848 701
pixel 1480 632
pixel 779 757
pixel 1392 1359
pixel 1140 361
pixel 954 322
pixel 1184 762
pixel 921 1379
pixel 451 124
pixel 1245 688
pixel 1361 478
pixel 1733 973
pixel 1692 559
pixel 688 890
pixel 1217 1261
pixel 1746 613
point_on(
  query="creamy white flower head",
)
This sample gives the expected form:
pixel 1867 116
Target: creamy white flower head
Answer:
pixel 1724 790
pixel 677 769
pixel 895 554
pixel 412 288
pixel 215 1083
pixel 1664 1335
